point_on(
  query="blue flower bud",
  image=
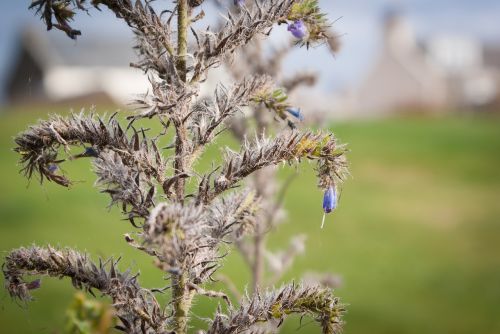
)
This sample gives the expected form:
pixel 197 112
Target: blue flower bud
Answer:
pixel 298 29
pixel 91 152
pixel 295 112
pixel 34 284
pixel 239 3
pixel 329 200
pixel 52 168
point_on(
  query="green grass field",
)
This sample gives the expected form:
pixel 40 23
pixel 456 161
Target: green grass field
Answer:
pixel 416 237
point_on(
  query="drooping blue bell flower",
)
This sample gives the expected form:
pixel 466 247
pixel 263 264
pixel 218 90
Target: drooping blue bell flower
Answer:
pixel 239 3
pixel 295 112
pixel 329 202
pixel 298 29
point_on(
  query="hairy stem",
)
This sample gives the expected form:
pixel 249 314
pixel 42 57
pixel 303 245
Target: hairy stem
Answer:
pixel 182 27
pixel 180 159
pixel 181 132
pixel 181 295
pixel 181 299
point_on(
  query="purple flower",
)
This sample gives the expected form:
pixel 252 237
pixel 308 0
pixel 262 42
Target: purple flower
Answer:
pixel 295 112
pixel 52 168
pixel 329 200
pixel 34 284
pixel 298 29
pixel 91 152
pixel 239 3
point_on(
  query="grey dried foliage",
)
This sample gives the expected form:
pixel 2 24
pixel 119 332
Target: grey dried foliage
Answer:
pixel 127 166
pixel 187 234
pixel 209 117
pixel 277 304
pixel 288 147
pixel 137 308
pixel 238 30
pixel 189 238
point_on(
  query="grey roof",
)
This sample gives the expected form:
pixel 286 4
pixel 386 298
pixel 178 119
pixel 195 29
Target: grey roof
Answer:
pixel 53 48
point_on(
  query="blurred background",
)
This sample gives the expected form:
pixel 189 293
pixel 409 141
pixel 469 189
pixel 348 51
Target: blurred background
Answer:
pixel 414 91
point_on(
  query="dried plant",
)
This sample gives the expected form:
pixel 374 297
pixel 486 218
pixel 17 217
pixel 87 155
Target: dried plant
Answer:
pixel 187 234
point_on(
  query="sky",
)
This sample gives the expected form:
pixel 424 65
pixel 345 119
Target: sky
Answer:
pixel 356 21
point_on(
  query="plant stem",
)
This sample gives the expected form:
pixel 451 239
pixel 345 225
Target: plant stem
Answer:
pixel 180 157
pixel 181 296
pixel 181 133
pixel 182 299
pixel 182 27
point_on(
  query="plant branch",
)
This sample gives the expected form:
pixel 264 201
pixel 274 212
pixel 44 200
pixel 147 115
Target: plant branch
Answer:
pixel 289 147
pixel 239 31
pixel 128 167
pixel 135 307
pixel 209 293
pixel 315 301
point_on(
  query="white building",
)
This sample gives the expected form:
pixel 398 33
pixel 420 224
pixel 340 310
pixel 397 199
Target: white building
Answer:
pixel 440 74
pixel 52 68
